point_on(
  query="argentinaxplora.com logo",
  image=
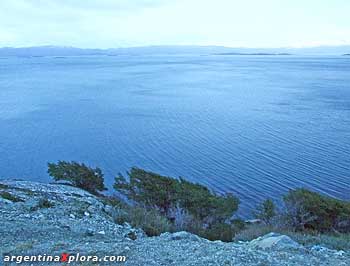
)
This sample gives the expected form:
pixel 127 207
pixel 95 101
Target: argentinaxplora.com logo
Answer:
pixel 64 257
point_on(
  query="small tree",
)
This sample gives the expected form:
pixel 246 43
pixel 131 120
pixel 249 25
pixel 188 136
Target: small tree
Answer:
pixel 79 175
pixel 149 189
pixel 266 211
pixel 310 210
pixel 165 193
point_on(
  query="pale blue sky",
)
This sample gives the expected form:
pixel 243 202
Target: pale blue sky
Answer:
pixel 121 23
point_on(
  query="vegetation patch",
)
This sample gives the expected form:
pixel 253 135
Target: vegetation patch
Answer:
pixel 266 211
pixel 45 203
pixel 8 196
pixel 3 186
pixel 177 200
pixel 307 210
pixel 150 221
pixel 79 175
pixel 160 204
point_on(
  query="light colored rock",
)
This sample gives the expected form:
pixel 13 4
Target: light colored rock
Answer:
pixel 275 241
pixel 181 236
pixel 127 225
pixel 319 248
pixel 340 253
pixel 253 221
pixel 322 249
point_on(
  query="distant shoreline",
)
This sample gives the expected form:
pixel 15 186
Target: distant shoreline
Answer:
pixel 174 50
pixel 252 54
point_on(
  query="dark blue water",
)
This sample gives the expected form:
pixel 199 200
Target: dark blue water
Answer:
pixel 255 126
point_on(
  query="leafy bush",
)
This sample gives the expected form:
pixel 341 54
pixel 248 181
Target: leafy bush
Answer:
pixel 45 203
pixel 224 231
pixel 165 193
pixel 253 231
pixel 150 221
pixel 266 211
pixel 9 196
pixel 42 204
pixel 179 204
pixel 307 210
pixel 181 219
pixel 221 231
pixel 112 201
pixel 204 205
pixel 79 175
pixel 3 186
pixel 149 189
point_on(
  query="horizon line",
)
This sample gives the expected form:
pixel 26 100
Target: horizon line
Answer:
pixel 173 45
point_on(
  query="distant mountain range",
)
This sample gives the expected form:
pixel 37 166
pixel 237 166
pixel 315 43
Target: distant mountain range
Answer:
pixel 171 50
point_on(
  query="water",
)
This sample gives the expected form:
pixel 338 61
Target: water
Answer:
pixel 255 126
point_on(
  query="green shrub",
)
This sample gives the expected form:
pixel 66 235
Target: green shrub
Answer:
pixel 42 204
pixel 3 186
pixel 150 221
pixel 253 231
pixel 45 203
pixel 164 193
pixel 149 189
pixel 80 175
pixel 8 196
pixel 177 204
pixel 221 231
pixel 112 201
pixel 266 211
pixel 203 204
pixel 307 210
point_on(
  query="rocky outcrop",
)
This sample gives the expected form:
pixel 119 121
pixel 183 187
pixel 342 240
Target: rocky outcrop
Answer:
pixel 275 241
pixel 41 218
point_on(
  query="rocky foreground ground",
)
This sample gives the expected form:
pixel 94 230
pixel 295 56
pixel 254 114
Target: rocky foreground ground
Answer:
pixel 51 219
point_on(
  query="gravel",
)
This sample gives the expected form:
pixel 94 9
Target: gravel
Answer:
pixel 77 222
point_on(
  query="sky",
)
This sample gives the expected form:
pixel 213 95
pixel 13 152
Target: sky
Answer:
pixel 126 23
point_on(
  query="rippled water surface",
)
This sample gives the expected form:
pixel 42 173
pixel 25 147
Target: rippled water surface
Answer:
pixel 255 126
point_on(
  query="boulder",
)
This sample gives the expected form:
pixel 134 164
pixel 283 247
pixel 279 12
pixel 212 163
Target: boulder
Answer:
pixel 275 241
pixel 102 232
pixel 253 221
pixel 182 235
